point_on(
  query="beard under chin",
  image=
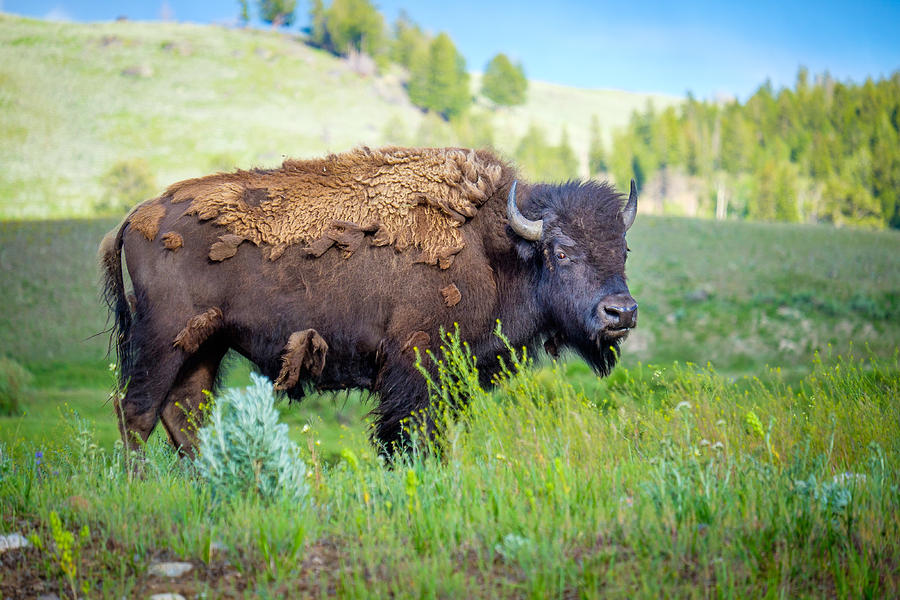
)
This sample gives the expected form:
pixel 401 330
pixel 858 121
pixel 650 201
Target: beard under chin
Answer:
pixel 601 354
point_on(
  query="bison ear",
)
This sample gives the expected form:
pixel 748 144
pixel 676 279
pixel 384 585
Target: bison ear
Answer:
pixel 630 210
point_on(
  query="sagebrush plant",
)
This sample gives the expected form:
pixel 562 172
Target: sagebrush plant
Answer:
pixel 244 448
pixel 14 380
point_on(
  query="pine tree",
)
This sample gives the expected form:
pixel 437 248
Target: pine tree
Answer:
pixel 277 12
pixel 409 41
pixel 596 153
pixel 355 25
pixel 244 15
pixel 439 82
pixel 504 83
pixel 542 161
pixel 318 31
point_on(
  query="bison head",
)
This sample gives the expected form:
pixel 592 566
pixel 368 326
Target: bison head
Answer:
pixel 577 250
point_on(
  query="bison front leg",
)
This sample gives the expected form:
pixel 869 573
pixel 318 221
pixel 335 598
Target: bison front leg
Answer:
pixel 403 406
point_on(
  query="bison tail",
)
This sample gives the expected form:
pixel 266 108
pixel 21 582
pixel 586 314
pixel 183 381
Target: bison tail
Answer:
pixel 110 257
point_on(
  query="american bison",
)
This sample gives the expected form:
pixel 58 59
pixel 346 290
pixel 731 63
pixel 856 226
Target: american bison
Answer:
pixel 328 273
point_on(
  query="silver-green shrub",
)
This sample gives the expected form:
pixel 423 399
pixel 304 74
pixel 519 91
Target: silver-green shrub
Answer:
pixel 244 448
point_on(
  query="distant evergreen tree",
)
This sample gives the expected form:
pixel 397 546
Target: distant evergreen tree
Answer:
pixel 596 152
pixel 565 157
pixel 277 12
pixel 244 15
pixel 542 161
pixel 439 81
pixel 474 130
pixel 354 25
pixel 504 83
pixel 409 42
pixel 318 31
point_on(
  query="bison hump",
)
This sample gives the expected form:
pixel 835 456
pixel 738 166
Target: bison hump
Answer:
pixel 411 198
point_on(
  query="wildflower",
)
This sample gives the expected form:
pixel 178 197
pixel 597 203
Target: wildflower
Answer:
pixel 704 442
pixel 718 446
pixel 112 366
pixel 501 457
pixel 305 428
pixel 683 404
pixel 38 456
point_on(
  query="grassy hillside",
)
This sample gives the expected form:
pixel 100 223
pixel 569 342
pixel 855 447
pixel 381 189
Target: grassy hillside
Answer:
pixel 75 99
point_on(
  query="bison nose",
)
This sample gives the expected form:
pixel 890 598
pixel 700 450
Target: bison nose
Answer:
pixel 618 312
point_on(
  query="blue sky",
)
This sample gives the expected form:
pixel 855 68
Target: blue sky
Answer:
pixel 708 48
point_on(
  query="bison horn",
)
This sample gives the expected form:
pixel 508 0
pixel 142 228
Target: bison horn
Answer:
pixel 630 210
pixel 527 229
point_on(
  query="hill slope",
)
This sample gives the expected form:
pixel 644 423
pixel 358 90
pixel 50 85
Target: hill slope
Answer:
pixel 76 99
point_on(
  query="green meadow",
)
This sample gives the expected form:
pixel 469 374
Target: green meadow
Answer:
pixel 748 444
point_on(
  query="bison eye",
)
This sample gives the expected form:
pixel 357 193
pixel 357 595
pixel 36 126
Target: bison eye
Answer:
pixel 561 255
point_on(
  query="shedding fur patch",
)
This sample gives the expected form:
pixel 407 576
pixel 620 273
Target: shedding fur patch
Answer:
pixel 451 295
pixel 226 247
pixel 146 218
pixel 417 339
pixel 405 197
pixel 198 329
pixel 172 240
pixel 304 351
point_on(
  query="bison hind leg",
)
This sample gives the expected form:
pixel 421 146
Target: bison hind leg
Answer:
pixel 182 413
pixel 304 353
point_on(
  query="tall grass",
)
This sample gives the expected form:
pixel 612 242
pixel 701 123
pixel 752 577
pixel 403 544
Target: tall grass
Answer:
pixel 671 482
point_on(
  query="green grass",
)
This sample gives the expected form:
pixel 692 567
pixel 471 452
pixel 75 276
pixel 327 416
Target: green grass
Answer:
pixel 77 99
pixel 677 484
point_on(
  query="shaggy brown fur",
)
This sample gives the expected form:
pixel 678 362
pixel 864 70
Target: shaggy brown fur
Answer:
pixel 407 197
pixel 451 295
pixel 305 350
pixel 147 217
pixel 172 240
pixel 198 329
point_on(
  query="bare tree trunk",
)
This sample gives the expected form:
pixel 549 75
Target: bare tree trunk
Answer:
pixel 721 200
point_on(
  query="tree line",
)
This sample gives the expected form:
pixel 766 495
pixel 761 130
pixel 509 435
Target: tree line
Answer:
pixel 438 78
pixel 822 150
